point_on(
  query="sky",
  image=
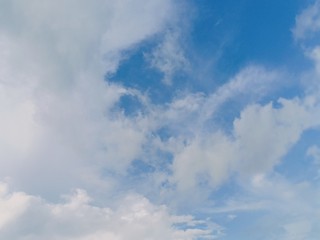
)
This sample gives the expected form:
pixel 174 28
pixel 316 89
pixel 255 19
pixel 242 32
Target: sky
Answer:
pixel 159 119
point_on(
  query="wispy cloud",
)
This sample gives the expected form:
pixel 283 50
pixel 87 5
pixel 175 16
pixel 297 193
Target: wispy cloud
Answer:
pixel 169 57
pixel 307 22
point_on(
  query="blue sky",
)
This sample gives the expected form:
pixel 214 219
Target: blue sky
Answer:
pixel 159 119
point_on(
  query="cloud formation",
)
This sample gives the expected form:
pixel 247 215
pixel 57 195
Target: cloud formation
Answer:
pixel 56 108
pixel 168 57
pixel 29 217
pixel 63 128
pixel 307 22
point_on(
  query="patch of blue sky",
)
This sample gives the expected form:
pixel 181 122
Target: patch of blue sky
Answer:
pixel 136 72
pixel 130 105
pixel 250 226
pixel 164 133
pixel 211 37
pixel 243 225
pixel 266 30
pixel 241 32
pixel 139 167
pixel 142 171
pixel 160 163
pixel 297 166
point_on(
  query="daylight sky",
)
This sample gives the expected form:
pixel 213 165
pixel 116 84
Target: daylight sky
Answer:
pixel 159 119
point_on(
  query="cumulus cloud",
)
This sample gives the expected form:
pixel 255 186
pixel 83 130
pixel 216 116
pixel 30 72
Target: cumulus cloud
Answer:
pixel 263 144
pixel 261 136
pixel 56 108
pixel 257 141
pixel 25 216
pixel 203 160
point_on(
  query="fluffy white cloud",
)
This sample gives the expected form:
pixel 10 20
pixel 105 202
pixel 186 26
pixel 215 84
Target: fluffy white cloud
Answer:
pixel 204 155
pixel 203 160
pixel 25 216
pixel 307 22
pixel 264 134
pixel 74 35
pixel 261 136
pixel 56 108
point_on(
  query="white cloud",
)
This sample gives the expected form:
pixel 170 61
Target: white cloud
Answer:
pixel 138 20
pixel 306 30
pixel 28 217
pixel 56 109
pixel 264 134
pixel 261 136
pixel 203 160
pixel 76 34
pixel 307 22
pixel 204 155
pixel 61 130
pixel 253 81
pixel 11 205
pixel 168 57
